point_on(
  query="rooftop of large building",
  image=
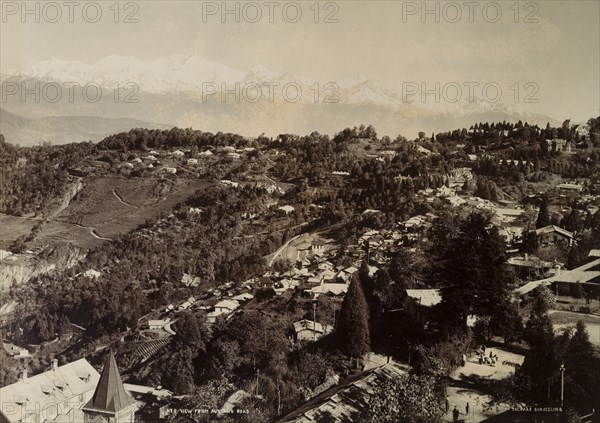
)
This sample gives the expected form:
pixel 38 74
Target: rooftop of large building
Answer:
pixel 61 385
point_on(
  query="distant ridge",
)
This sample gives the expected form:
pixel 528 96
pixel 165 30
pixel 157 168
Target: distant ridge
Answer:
pixel 190 91
pixel 64 129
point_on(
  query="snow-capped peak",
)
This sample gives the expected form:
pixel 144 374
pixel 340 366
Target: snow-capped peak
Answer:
pixel 173 73
pixel 9 73
pixel 190 73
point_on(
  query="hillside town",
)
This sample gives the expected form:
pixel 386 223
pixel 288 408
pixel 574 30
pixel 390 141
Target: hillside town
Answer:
pixel 183 276
pixel 300 211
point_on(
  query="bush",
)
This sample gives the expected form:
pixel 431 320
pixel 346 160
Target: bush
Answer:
pixel 264 294
pixel 18 245
pixel 442 358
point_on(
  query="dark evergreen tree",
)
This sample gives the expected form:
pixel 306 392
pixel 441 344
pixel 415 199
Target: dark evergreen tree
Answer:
pixel 473 267
pixel 540 363
pixel 573 222
pixel 574 259
pixel 507 322
pixel 530 243
pixel 353 324
pixel 582 371
pixel 543 218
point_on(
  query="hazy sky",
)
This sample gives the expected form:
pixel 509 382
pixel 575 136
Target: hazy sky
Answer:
pixel 387 41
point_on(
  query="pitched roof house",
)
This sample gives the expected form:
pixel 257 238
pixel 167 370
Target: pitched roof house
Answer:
pixel 226 306
pixel 307 330
pixel 587 275
pixel 73 393
pixel 552 234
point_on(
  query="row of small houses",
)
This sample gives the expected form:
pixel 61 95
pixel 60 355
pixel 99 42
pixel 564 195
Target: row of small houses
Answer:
pixel 419 303
pixel 502 218
pixel 304 330
pixel 583 280
pixel 153 160
pixel 548 235
pixel 315 273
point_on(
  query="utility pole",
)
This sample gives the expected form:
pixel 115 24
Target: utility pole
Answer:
pixel 335 319
pixel 257 374
pixel 278 398
pixel 562 385
pixel 314 321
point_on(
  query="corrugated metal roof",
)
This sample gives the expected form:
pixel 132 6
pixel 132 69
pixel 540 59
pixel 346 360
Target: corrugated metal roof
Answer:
pixel 589 272
pixel 530 286
pixel 552 228
pixel 346 401
pixel 305 324
pixel 425 297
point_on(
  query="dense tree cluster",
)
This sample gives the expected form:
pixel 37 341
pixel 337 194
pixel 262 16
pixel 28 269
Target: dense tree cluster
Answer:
pixel 147 139
pixel 31 179
pixel 136 263
pixel 538 380
pixel 487 189
pixel 251 351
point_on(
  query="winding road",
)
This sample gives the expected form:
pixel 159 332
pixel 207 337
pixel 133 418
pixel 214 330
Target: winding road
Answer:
pixel 92 231
pixel 121 200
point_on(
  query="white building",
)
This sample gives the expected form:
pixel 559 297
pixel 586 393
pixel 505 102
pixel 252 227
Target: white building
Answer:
pixel 226 306
pixel 287 209
pixel 157 324
pixel 74 392
pixel 187 304
pixel 307 330
pixel 60 391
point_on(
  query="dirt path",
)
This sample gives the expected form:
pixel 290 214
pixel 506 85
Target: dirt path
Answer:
pixel 574 313
pixel 283 247
pixel 121 200
pixel 92 231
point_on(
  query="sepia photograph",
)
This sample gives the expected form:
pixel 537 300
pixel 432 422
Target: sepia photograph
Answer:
pixel 310 211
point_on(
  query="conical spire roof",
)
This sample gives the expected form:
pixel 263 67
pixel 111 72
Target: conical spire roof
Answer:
pixel 110 395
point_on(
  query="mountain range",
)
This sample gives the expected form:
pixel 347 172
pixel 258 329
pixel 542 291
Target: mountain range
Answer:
pixel 27 131
pixel 187 91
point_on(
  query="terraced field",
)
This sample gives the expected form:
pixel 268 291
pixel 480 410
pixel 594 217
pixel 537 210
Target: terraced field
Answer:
pixel 103 209
pixel 12 227
pixel 146 349
pixel 112 206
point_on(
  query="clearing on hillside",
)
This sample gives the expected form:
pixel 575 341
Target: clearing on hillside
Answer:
pixel 112 206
